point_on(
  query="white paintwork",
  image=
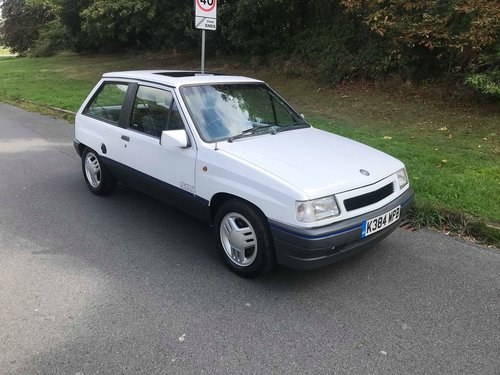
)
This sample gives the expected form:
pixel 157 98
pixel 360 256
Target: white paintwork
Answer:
pixel 155 76
pixel 174 138
pixel 174 165
pixel 316 162
pixel 270 171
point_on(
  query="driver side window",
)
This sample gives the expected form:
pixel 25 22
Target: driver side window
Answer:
pixel 154 111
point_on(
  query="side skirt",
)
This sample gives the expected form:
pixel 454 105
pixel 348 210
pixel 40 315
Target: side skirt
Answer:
pixel 167 193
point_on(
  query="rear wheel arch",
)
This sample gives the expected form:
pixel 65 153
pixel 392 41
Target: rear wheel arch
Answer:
pixel 80 148
pixel 96 174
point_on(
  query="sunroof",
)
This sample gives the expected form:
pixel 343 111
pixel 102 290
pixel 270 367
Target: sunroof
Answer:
pixel 181 74
pixel 177 74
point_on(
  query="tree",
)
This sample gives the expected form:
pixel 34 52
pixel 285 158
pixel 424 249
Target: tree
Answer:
pixel 430 34
pixel 2 42
pixel 23 20
pixel 255 27
pixel 69 13
pixel 137 23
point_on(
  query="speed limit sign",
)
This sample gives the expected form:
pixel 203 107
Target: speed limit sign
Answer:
pixel 206 14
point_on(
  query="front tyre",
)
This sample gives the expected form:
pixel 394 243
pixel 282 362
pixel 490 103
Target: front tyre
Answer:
pixel 97 177
pixel 243 238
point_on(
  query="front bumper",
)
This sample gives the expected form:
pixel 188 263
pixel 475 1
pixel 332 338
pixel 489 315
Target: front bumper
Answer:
pixel 308 248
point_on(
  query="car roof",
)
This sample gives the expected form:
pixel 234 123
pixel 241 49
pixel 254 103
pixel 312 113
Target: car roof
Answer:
pixel 177 78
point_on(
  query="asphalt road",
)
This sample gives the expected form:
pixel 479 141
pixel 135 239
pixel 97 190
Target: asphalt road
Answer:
pixel 125 285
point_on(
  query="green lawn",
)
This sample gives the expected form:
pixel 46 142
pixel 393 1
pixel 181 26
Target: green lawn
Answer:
pixel 451 150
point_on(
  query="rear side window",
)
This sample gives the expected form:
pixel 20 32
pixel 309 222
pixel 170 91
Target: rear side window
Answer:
pixel 107 103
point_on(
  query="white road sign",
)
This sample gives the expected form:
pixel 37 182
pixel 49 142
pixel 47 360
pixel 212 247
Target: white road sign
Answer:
pixel 206 14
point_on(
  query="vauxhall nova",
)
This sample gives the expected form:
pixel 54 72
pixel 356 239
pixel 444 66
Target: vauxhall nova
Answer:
pixel 230 151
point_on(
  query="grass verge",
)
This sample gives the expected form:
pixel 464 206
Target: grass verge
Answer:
pixel 454 223
pixel 450 146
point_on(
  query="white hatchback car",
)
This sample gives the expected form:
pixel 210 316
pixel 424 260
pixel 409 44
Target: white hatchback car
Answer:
pixel 232 152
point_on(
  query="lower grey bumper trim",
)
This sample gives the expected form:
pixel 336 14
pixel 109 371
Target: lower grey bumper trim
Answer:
pixel 308 248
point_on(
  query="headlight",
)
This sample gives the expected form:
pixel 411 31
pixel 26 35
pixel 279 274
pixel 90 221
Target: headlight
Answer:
pixel 402 178
pixel 317 209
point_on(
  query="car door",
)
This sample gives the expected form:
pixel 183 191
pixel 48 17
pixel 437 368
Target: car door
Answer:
pixel 165 172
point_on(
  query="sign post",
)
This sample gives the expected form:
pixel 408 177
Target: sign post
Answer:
pixel 205 19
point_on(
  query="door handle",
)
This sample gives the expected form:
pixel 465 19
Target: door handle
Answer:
pixel 125 138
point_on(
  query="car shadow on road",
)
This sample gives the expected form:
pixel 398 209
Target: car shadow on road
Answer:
pixel 192 241
pixel 161 234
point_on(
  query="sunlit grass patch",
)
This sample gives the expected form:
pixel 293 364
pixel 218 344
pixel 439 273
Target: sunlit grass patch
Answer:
pixel 4 52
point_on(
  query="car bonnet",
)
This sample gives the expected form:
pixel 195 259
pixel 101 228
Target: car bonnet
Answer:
pixel 317 162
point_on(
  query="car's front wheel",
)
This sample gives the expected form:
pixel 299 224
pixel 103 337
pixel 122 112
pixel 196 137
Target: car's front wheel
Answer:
pixel 95 173
pixel 243 238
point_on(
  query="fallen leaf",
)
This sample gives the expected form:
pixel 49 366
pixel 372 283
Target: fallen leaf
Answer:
pixel 387 137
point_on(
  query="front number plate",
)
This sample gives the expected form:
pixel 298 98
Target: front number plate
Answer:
pixel 380 222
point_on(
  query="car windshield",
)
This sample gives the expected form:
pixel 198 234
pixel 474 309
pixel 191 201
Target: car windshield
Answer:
pixel 230 111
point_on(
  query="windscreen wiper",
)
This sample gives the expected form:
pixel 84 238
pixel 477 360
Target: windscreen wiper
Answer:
pixel 284 128
pixel 250 131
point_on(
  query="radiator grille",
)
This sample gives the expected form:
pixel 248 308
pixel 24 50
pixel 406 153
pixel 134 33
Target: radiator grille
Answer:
pixel 369 198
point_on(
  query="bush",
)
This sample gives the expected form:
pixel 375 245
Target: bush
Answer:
pixel 53 38
pixel 432 39
pixel 486 84
pixel 485 77
pixel 255 27
pixel 123 24
pixel 342 51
